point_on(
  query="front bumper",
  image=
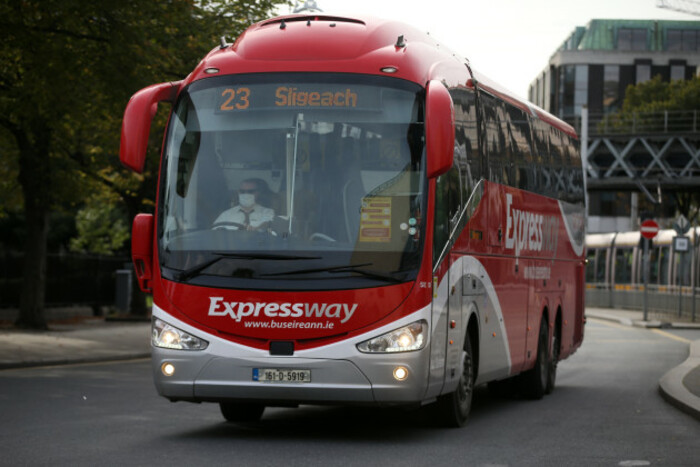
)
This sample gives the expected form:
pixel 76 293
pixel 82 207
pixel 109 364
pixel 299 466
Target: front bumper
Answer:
pixel 339 373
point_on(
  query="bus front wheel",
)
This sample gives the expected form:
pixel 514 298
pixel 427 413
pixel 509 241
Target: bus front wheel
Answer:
pixel 454 407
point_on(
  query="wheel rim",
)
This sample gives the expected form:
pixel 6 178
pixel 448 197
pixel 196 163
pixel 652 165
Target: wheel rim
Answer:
pixel 465 387
pixel 554 360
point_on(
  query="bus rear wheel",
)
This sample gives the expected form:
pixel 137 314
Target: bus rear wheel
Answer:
pixel 553 361
pixel 533 383
pixel 454 407
pixel 241 412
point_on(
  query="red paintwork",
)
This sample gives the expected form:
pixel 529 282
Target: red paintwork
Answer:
pixel 136 124
pixel 439 129
pixel 366 46
pixel 375 306
pixel 363 46
pixel 544 279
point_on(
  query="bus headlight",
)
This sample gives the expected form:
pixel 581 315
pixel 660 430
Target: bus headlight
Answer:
pixel 168 337
pixel 408 338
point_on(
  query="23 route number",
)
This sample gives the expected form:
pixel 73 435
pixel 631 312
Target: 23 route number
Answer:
pixel 236 99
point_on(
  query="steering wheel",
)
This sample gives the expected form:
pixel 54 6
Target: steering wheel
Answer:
pixel 229 226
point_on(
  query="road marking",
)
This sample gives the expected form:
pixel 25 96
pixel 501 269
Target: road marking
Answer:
pixel 671 336
pixel 657 331
pixel 608 323
pixel 619 341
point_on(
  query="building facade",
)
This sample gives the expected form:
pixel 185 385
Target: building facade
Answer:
pixel 594 65
pixel 636 172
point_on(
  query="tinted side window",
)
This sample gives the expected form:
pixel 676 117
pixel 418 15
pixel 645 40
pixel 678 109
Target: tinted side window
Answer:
pixel 467 155
pixel 448 205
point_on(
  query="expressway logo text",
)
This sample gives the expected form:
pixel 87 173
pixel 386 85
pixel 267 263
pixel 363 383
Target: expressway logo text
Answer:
pixel 239 311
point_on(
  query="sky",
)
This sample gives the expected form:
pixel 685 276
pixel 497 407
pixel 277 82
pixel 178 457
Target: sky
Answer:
pixel 510 41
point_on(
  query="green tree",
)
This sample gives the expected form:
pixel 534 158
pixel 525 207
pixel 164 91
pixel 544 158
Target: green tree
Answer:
pixel 67 68
pixel 101 225
pixel 657 95
pixel 657 105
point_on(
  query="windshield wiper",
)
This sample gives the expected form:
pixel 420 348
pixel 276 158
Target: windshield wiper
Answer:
pixel 195 270
pixel 341 269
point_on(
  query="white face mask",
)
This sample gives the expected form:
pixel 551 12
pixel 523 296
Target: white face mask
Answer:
pixel 246 200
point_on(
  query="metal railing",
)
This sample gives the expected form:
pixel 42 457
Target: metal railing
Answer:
pixel 71 279
pixel 662 122
pixel 666 303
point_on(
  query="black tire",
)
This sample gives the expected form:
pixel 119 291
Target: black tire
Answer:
pixel 241 412
pixel 454 407
pixel 553 361
pixel 533 383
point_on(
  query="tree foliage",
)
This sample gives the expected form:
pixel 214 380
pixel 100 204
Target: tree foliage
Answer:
pixel 657 95
pixel 67 69
pixel 101 225
pixel 657 106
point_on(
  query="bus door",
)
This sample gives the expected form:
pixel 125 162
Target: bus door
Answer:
pixel 447 305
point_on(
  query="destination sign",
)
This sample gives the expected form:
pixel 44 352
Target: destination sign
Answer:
pixel 293 97
pixel 296 96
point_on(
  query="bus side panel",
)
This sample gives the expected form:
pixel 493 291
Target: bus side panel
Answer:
pixel 479 296
pixel 438 328
pixel 456 326
pixel 512 293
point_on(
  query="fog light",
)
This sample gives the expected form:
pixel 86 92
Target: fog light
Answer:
pixel 168 369
pixel 400 373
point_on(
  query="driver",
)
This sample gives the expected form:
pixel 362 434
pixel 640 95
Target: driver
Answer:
pixel 248 214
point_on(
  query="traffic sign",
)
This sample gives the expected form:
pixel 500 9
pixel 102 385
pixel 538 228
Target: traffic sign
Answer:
pixel 681 244
pixel 681 225
pixel 649 229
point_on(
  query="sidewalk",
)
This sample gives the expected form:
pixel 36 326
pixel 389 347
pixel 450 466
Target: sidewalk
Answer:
pixel 80 341
pixel 90 340
pixel 681 385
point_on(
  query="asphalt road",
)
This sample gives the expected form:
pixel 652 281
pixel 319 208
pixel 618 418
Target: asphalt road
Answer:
pixel 606 410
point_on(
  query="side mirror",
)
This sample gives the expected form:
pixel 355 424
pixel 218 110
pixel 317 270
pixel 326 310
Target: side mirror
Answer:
pixel 137 122
pixel 142 250
pixel 439 129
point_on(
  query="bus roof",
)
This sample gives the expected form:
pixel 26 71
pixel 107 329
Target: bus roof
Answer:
pixel 358 44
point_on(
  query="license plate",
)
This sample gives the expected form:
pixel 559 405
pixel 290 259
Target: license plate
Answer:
pixel 279 375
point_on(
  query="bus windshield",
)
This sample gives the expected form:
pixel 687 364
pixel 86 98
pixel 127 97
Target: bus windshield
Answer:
pixel 305 178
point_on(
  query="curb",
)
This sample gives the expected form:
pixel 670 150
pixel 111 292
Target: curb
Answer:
pixel 671 385
pixel 638 323
pixel 674 391
pixel 74 361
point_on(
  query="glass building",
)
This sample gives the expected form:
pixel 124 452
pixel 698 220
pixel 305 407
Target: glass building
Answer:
pixel 597 62
pixel 593 67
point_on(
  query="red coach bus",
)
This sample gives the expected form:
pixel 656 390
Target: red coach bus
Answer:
pixel 348 214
